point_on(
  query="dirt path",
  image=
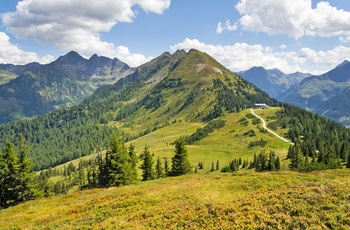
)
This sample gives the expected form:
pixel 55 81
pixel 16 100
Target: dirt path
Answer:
pixel 269 130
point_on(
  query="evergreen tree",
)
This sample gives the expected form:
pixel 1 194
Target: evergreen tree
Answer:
pixel 159 169
pixel 10 184
pixel 217 165
pixel 166 167
pixel 147 165
pixel 180 163
pixel 297 158
pixel 278 164
pixel 25 175
pixel 133 161
pixel 348 163
pixel 118 164
pixel 212 167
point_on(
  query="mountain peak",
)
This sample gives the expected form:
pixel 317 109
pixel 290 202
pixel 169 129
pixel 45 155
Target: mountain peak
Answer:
pixel 70 58
pixel 343 63
pixel 341 73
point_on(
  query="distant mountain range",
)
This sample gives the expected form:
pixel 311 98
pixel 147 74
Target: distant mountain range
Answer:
pixel 272 81
pixel 327 94
pixel 34 89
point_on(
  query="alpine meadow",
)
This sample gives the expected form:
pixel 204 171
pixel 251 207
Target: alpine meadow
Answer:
pixel 175 145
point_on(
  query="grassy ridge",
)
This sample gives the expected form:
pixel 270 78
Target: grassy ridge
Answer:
pixel 246 199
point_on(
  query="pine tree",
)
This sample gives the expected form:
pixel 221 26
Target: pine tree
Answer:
pixel 147 165
pixel 278 164
pixel 133 161
pixel 212 167
pixel 180 162
pixel 348 163
pixel 25 175
pixel 10 186
pixel 166 167
pixel 217 165
pixel 297 158
pixel 118 164
pixel 159 169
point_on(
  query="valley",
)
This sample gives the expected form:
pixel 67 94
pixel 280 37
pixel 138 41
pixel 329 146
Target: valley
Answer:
pixel 90 158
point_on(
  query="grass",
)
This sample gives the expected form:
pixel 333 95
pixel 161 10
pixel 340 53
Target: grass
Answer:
pixel 244 200
pixel 224 144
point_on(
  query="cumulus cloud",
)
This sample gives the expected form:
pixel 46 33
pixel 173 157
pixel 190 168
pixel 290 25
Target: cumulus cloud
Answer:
pixel 10 53
pixel 77 24
pixel 228 26
pixel 295 18
pixel 242 56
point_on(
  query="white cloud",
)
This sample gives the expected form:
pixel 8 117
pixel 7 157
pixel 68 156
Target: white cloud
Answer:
pixel 242 56
pixel 283 46
pixel 219 28
pixel 10 53
pixel 228 26
pixel 77 24
pixel 295 18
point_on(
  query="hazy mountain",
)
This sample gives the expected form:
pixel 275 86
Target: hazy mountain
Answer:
pixel 35 89
pixel 272 81
pixel 322 93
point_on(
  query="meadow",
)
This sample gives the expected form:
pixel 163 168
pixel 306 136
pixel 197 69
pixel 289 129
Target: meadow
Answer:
pixel 242 200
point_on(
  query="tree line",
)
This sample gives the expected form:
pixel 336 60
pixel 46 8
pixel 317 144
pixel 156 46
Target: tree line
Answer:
pixel 118 167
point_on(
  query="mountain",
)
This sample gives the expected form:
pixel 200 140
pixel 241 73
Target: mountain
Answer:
pixel 337 108
pixel 9 72
pixel 325 94
pixel 183 86
pixel 272 81
pixel 34 89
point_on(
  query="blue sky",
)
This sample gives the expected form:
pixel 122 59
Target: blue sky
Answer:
pixel 292 35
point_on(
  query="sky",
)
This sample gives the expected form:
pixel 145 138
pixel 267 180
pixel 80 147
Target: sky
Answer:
pixel 292 35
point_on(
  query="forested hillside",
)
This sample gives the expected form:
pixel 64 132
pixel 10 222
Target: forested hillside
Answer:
pixel 183 85
pixel 35 89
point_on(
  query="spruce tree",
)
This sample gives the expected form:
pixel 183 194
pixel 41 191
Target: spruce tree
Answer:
pixel 25 175
pixel 118 164
pixel 348 163
pixel 297 158
pixel 147 165
pixel 180 163
pixel 166 167
pixel 159 169
pixel 133 161
pixel 10 184
pixel 212 167
pixel 278 164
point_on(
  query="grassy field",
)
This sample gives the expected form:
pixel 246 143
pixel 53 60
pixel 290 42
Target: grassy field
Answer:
pixel 206 200
pixel 243 200
pixel 225 144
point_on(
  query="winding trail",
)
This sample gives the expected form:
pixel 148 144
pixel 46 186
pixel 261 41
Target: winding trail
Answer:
pixel 269 130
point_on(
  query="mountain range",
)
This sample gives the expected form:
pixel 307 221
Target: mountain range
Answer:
pixel 272 81
pixel 34 89
pixel 326 94
pixel 183 86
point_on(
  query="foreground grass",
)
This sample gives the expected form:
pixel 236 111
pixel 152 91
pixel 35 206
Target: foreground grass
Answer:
pixel 245 200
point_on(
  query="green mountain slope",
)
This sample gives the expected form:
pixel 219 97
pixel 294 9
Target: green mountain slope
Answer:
pixel 39 89
pixel 191 86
